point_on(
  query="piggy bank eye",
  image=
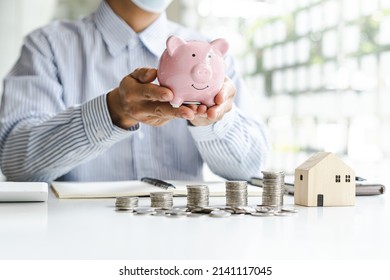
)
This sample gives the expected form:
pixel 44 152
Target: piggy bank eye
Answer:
pixel 209 56
pixel 193 55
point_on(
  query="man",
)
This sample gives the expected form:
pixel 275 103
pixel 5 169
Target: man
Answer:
pixel 71 110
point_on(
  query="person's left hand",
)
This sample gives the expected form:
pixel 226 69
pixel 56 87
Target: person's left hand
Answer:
pixel 223 104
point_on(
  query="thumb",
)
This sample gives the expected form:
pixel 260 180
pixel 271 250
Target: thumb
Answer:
pixel 144 75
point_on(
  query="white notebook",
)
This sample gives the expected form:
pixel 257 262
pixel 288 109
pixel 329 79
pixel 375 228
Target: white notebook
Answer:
pixel 23 191
pixel 134 188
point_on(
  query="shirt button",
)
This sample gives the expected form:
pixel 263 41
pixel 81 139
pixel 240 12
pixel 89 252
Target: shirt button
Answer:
pixel 100 134
pixel 133 43
pixel 141 135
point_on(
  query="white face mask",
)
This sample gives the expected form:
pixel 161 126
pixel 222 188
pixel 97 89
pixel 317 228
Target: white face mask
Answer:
pixel 153 6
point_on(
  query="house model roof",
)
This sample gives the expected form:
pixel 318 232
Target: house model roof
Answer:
pixel 314 160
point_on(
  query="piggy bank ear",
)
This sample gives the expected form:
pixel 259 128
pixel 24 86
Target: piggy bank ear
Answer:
pixel 220 44
pixel 173 42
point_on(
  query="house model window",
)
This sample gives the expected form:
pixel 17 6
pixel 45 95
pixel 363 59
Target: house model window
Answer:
pixel 338 178
pixel 347 178
pixel 301 177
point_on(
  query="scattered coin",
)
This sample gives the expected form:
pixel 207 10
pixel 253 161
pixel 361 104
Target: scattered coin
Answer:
pixel 144 211
pixel 266 209
pixel 177 212
pixel 160 212
pixel 195 215
pixel 171 215
pixel 258 214
pixel 203 210
pixel 220 214
pixel 280 213
pixel 247 209
pixel 291 210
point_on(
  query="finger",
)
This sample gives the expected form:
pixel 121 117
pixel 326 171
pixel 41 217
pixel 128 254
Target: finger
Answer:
pixel 151 91
pixel 154 92
pixel 213 113
pixel 227 91
pixel 216 113
pixel 155 116
pixel 166 111
pixel 193 107
pixel 186 113
pixel 202 109
pixel 133 91
pixel 144 75
pixel 220 97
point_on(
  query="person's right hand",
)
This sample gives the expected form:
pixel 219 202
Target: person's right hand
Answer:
pixel 138 100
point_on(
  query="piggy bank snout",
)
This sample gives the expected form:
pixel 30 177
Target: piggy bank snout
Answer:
pixel 201 73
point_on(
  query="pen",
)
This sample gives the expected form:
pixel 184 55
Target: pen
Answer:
pixel 157 182
pixel 357 178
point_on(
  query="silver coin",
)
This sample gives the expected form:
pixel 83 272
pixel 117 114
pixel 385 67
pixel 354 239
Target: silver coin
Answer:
pixel 258 214
pixel 141 212
pixel 291 210
pixel 204 210
pixel 175 216
pixel 195 215
pixel 267 209
pixel 183 209
pixel 239 211
pixel 247 209
pixel 220 214
pixel 158 214
pixel 177 212
pixel 144 210
pixel 161 210
pixel 283 214
pixel 124 209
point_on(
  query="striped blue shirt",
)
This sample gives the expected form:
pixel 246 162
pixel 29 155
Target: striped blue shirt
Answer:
pixel 55 125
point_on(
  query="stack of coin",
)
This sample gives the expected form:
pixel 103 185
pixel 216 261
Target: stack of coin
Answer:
pixel 162 200
pixel 126 203
pixel 273 188
pixel 236 193
pixel 197 196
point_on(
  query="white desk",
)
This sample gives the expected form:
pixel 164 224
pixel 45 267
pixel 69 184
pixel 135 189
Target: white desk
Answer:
pixel 92 229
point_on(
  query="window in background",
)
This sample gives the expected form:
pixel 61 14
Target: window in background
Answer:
pixel 324 71
pixel 18 18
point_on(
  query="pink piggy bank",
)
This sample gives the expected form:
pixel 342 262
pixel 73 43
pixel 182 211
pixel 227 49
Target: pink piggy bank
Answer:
pixel 193 70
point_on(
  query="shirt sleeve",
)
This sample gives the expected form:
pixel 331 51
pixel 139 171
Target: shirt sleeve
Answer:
pixel 41 139
pixel 235 147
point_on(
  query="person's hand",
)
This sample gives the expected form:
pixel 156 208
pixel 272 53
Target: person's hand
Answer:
pixel 138 100
pixel 223 104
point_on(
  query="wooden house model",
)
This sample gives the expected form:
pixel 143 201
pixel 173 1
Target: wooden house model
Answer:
pixel 324 180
